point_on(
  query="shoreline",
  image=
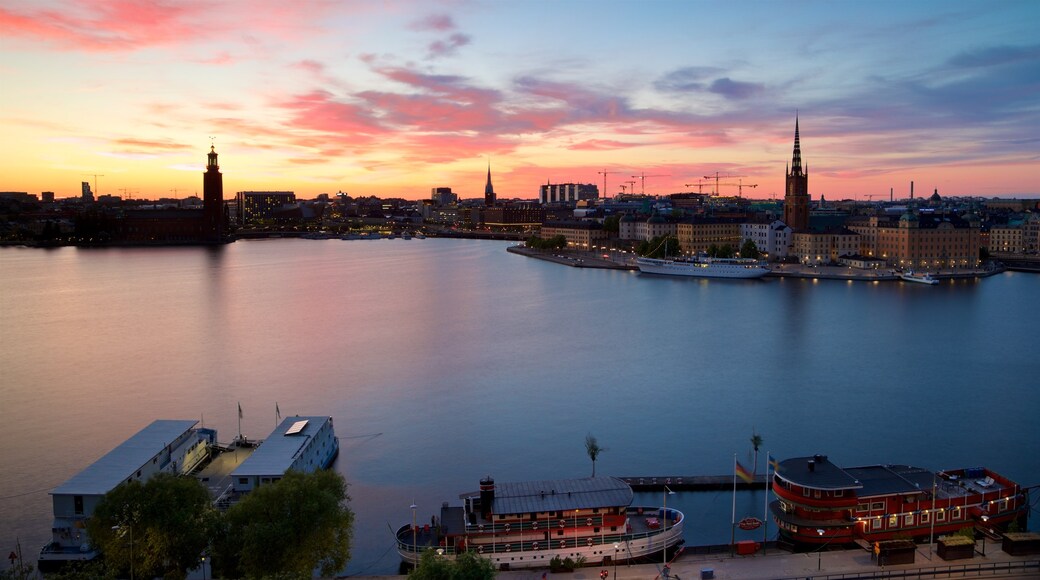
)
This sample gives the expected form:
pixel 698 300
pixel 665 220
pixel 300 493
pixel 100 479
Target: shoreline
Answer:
pixel 590 260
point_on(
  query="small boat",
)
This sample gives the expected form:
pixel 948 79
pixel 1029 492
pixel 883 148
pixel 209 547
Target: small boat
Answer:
pixel 919 277
pixel 703 267
pixel 527 524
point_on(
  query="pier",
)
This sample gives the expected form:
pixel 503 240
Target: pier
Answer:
pixel 693 482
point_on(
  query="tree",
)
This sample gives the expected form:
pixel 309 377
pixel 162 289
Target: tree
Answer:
pixel 593 449
pixel 726 251
pixel 157 528
pixel 756 442
pixel 611 223
pixel 465 566
pixel 750 250
pixel 290 527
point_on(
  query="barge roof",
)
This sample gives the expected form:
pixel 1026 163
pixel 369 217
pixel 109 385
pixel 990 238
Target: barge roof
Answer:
pixel 276 454
pixel 560 495
pixel 122 462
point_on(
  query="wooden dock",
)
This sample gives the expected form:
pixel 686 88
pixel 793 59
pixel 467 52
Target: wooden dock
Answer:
pixel 693 482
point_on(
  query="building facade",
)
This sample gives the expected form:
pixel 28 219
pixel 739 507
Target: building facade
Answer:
pixel 258 205
pixel 514 215
pixel 922 241
pixel 566 192
pixel 696 236
pixel 824 247
pixel 772 238
pixel 578 234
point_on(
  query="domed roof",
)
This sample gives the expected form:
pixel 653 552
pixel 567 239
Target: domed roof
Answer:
pixel 935 196
pixel 656 219
pixel 628 218
pixel 908 217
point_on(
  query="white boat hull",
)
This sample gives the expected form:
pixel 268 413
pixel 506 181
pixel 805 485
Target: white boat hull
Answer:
pixel 919 278
pixel 594 549
pixel 707 269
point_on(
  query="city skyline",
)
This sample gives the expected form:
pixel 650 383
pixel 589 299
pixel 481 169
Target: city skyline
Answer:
pixel 393 99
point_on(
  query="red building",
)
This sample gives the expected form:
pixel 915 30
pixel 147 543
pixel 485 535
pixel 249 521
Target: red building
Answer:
pixel 820 503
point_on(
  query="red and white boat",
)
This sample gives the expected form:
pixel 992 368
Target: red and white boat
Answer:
pixel 527 524
pixel 820 503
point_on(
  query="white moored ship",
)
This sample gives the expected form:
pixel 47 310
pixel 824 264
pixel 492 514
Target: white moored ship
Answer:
pixel 527 524
pixel 919 277
pixel 704 267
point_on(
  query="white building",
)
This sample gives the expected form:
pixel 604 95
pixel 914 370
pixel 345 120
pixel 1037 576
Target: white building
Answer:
pixel 772 238
pixel 165 446
pixel 300 443
pixel 566 192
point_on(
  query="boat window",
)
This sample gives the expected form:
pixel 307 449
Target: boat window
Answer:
pixel 77 504
pixel 878 505
pixel 908 520
pixel 956 514
pixel 876 524
pixel 925 517
pixel 941 516
pixel 839 493
pixel 893 521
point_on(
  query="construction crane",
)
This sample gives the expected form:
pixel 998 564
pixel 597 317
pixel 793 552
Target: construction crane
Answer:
pixel 642 180
pixel 700 185
pixel 631 186
pixel 604 173
pixel 716 177
pixel 740 187
pixel 95 180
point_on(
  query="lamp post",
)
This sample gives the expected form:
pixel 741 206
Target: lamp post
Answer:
pixel 616 546
pixel 664 531
pixel 984 520
pixel 415 543
pixel 203 560
pixel 819 552
pixel 129 526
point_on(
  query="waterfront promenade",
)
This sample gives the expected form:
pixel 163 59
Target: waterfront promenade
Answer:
pixel 781 565
pixel 616 261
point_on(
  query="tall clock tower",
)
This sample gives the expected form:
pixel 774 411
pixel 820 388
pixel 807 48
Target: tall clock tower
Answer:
pixel 213 199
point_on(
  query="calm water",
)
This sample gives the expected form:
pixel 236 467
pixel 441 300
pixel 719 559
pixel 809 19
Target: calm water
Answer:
pixel 442 361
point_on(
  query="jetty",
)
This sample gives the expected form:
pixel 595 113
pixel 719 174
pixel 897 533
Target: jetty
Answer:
pixel 693 482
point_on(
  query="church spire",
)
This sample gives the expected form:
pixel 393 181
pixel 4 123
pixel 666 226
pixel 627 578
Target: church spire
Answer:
pixel 796 161
pixel 489 190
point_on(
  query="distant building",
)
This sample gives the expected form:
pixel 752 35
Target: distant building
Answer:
pixel 772 238
pixel 566 192
pixel 86 195
pixel 697 235
pixel 823 247
pixel 164 446
pixel 259 205
pixel 304 444
pixel 47 196
pixel 919 241
pixel 443 196
pixel 796 199
pixel 631 227
pixel 489 190
pixel 582 234
pixel 514 214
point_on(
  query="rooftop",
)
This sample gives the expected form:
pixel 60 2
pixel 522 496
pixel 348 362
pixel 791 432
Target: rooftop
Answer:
pixel 123 461
pixel 276 454
pixel 560 495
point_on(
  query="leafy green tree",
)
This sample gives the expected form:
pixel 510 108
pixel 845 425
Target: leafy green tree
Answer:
pixel 593 449
pixel 750 250
pixel 659 247
pixel 465 566
pixel 713 251
pixel 288 528
pixel 157 528
pixel 612 223
pixel 726 251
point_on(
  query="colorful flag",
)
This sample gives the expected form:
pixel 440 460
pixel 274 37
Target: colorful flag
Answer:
pixel 773 463
pixel 744 474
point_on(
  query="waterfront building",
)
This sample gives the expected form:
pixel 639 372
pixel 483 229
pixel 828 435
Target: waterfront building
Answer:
pixel 823 247
pixel 304 444
pixel 489 190
pixel 525 215
pixel 796 198
pixel 566 192
pixel 697 235
pixel 1007 238
pixel 925 240
pixel 578 234
pixel 771 237
pixel 258 205
pixel 819 503
pixel 213 199
pixel 164 446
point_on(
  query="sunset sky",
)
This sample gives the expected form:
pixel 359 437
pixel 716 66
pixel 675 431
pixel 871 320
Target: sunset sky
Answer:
pixel 392 98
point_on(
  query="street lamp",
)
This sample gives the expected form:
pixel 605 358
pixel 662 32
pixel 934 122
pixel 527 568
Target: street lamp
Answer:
pixel 131 528
pixel 415 543
pixel 664 531
pixel 616 546
pixel 203 560
pixel 819 551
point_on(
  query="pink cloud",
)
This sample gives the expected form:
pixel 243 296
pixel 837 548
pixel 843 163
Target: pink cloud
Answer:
pixel 105 25
pixel 601 145
pixel 438 22
pixel 448 47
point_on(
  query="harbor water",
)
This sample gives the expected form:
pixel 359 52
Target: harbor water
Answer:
pixel 444 361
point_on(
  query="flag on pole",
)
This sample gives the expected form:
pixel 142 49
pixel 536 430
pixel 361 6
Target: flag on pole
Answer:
pixel 277 412
pixel 773 463
pixel 240 410
pixel 744 474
